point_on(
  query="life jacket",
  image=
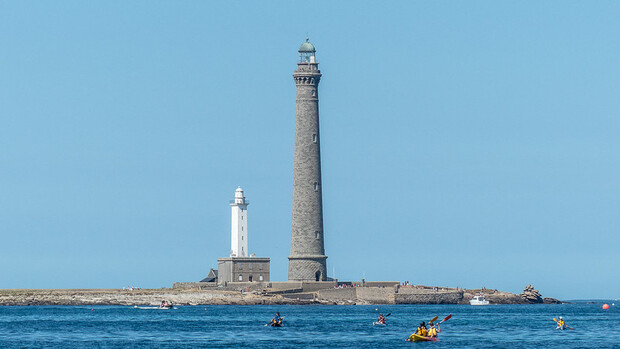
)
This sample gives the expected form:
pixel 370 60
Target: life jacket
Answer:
pixel 422 331
pixel 432 332
pixel 561 323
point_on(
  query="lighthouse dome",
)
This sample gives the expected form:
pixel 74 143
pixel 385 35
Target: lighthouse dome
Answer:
pixel 307 47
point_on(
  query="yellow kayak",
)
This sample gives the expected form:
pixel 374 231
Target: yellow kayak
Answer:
pixel 415 338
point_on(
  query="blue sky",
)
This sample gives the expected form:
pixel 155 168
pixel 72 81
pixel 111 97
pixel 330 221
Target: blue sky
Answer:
pixel 463 143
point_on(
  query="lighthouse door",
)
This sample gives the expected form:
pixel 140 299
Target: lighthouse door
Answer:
pixel 317 275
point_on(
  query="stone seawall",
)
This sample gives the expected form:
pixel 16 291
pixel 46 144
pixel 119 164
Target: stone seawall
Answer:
pixel 428 298
pixel 388 295
pixel 375 295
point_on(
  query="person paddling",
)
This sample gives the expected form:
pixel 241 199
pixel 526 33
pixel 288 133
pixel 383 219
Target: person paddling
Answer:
pixel 276 321
pixel 433 329
pixel 561 324
pixel 381 319
pixel 422 331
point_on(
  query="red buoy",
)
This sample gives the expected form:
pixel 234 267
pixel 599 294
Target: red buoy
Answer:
pixel 605 306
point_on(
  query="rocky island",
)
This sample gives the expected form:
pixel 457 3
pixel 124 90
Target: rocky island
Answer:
pixel 308 293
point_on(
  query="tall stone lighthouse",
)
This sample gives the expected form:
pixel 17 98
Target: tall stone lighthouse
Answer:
pixel 307 261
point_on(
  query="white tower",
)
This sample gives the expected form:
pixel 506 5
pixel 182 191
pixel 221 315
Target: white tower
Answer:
pixel 239 225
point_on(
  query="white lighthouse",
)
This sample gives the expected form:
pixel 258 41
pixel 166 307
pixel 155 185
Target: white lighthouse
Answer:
pixel 239 225
pixel 241 266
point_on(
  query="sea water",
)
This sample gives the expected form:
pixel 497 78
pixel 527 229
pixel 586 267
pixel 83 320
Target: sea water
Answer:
pixel 320 326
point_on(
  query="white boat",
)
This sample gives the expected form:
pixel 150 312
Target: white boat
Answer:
pixel 479 300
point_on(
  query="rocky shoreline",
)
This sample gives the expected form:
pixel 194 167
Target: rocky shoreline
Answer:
pixel 346 296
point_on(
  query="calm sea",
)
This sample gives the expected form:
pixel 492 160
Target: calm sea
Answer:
pixel 495 326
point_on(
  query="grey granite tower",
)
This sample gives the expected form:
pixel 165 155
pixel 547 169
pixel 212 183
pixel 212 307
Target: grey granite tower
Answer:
pixel 307 261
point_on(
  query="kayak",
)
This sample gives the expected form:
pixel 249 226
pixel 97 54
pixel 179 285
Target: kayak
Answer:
pixel 275 324
pixel 415 338
pixel 563 327
pixel 157 308
pixel 378 323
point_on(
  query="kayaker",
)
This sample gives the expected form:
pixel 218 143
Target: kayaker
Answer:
pixel 561 323
pixel 381 319
pixel 277 320
pixel 433 330
pixel 422 330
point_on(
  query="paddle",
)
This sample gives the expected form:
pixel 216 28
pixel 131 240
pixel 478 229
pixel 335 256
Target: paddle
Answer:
pixel 445 319
pixel 435 318
pixel 570 328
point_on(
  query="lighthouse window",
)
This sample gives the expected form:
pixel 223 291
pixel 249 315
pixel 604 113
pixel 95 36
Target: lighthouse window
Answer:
pixel 260 278
pixel 313 92
pixel 315 138
pixel 316 186
pixel 318 234
pixel 240 277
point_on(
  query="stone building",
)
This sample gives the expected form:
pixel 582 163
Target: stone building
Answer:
pixel 307 261
pixel 242 269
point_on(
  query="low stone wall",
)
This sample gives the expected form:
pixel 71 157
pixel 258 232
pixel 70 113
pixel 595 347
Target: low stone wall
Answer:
pixel 375 295
pixel 338 294
pixel 194 285
pixel 285 285
pixel 300 296
pixel 280 287
pixel 388 295
pixel 312 286
pixel 379 283
pixel 428 298
pixel 246 286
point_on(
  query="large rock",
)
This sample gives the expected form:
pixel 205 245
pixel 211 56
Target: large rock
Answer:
pixel 531 295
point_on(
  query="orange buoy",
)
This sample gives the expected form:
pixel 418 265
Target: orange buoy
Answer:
pixel 605 306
